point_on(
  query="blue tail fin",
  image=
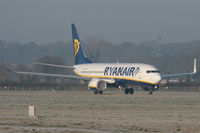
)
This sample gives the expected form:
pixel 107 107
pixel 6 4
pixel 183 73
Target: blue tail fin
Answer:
pixel 80 58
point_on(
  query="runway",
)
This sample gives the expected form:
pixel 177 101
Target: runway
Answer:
pixel 84 112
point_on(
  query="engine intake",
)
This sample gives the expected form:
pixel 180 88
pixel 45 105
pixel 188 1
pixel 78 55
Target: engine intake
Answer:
pixel 98 84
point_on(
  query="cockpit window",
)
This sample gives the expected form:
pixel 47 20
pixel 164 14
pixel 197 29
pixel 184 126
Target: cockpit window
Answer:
pixel 153 71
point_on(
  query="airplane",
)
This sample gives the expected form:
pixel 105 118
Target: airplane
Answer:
pixel 102 75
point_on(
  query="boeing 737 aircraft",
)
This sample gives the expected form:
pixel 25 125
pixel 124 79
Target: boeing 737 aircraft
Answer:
pixel 99 75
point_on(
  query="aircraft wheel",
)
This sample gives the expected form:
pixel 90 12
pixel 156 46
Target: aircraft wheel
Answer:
pixel 150 92
pixel 131 90
pixel 126 90
pixel 100 92
pixel 95 92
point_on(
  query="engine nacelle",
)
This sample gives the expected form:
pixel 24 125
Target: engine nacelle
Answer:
pixel 97 84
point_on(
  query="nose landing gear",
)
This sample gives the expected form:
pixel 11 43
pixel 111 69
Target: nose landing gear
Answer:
pixel 150 89
pixel 150 92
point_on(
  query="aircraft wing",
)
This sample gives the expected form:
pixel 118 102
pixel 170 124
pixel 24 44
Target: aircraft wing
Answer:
pixel 52 75
pixel 176 75
pixel 54 65
pixel 47 74
pixel 181 74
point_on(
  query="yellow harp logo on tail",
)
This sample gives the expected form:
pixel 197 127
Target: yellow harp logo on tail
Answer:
pixel 76 46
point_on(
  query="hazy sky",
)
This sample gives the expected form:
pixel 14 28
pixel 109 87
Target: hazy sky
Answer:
pixel 114 20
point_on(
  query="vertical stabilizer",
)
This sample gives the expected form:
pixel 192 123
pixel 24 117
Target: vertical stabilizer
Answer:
pixel 79 55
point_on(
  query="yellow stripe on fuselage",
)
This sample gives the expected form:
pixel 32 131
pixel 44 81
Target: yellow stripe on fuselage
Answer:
pixel 92 86
pixel 113 77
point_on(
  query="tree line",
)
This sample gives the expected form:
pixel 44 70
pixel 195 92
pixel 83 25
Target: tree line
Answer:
pixel 168 57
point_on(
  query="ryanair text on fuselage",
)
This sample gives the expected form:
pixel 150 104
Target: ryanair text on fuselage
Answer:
pixel 121 71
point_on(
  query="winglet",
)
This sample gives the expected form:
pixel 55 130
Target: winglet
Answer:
pixel 195 66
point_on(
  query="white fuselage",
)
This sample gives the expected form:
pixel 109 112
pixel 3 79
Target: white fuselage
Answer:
pixel 128 71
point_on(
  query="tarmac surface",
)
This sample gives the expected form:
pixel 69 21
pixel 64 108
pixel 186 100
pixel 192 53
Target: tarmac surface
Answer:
pixel 84 112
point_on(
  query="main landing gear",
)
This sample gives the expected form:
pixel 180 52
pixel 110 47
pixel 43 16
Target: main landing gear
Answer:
pixel 98 92
pixel 129 91
pixel 150 92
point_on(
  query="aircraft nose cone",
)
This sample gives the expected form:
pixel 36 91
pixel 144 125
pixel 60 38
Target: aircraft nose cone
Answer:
pixel 158 78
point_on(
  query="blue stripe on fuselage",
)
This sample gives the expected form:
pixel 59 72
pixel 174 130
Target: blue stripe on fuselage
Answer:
pixel 124 82
pixel 92 88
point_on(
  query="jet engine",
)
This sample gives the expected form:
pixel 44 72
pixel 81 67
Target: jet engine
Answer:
pixel 97 84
